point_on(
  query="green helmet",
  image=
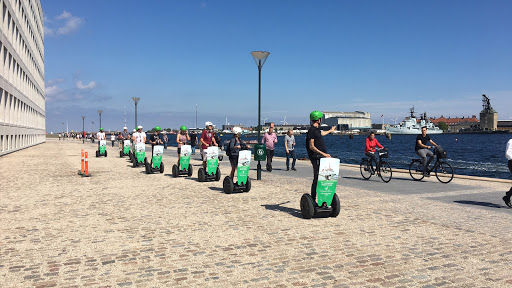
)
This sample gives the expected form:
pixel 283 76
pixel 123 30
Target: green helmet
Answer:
pixel 101 129
pixel 183 128
pixel 315 115
pixel 157 128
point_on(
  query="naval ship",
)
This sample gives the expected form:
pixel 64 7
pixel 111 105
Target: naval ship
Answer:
pixel 412 126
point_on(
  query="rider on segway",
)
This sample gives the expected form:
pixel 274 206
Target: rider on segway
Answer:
pixel 123 136
pixel 207 140
pixel 139 136
pixel 233 149
pixel 315 146
pixel 182 139
pixel 156 139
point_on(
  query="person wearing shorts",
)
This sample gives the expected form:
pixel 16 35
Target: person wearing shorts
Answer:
pixel 206 141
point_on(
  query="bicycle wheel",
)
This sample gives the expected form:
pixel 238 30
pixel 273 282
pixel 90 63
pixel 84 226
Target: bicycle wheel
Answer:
pixel 444 172
pixel 385 172
pixel 365 169
pixel 415 170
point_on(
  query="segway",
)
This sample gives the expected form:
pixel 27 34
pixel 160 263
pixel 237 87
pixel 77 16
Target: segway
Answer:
pixel 243 183
pixel 328 201
pixel 102 149
pixel 126 149
pixel 186 151
pixel 139 155
pixel 212 172
pixel 156 164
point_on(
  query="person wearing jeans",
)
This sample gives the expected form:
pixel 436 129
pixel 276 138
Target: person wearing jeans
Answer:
pixel 289 145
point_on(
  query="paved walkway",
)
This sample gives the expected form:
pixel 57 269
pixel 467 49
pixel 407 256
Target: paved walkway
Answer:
pixel 122 228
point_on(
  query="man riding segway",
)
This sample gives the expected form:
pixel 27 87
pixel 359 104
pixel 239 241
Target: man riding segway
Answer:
pixel 102 144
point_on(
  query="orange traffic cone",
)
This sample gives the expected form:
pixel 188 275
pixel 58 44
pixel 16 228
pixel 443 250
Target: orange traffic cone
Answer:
pixel 86 162
pixel 81 171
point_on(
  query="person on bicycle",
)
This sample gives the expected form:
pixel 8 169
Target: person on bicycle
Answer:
pixel 369 149
pixel 315 146
pixel 206 141
pixel 182 139
pixel 422 149
pixel 508 154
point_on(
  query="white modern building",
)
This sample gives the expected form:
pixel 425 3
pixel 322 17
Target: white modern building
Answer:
pixel 348 120
pixel 22 96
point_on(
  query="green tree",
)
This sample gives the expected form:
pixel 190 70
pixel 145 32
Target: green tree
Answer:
pixel 443 126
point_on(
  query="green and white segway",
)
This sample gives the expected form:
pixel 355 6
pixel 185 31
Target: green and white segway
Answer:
pixel 186 167
pixel 212 172
pixel 126 149
pixel 156 164
pixel 139 155
pixel 328 201
pixel 102 149
pixel 243 183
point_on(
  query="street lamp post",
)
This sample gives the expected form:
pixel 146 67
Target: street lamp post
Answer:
pixel 135 100
pixel 259 57
pixel 83 129
pixel 99 112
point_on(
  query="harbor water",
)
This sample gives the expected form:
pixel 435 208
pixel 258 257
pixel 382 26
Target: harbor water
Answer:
pixel 469 154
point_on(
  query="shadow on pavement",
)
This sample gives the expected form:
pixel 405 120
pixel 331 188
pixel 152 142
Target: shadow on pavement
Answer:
pixel 216 189
pixel 277 207
pixel 377 178
pixel 478 203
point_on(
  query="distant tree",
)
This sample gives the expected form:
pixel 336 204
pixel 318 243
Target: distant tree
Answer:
pixel 443 126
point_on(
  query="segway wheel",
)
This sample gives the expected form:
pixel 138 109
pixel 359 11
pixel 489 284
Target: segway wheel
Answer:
pixel 248 185
pixel 135 163
pixel 217 176
pixel 190 170
pixel 145 160
pixel 162 168
pixel 200 175
pixel 221 157
pixel 97 153
pixel 335 205
pixel 174 170
pixel 148 169
pixel 105 153
pixel 307 206
pixel 228 185
pixel 121 154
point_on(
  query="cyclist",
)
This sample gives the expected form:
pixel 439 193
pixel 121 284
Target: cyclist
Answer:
pixel 369 149
pixel 182 139
pixel 235 145
pixel 422 149
pixel 508 154
pixel 206 140
pixel 315 146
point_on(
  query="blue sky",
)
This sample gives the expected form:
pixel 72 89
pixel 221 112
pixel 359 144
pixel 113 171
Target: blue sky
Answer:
pixel 377 56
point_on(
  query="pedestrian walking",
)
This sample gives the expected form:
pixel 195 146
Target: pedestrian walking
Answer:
pixel 193 142
pixel 289 145
pixel 270 139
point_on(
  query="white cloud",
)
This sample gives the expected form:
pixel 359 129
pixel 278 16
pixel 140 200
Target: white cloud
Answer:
pixel 67 22
pixel 82 86
pixel 52 90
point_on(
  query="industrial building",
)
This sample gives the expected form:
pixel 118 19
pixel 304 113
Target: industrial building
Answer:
pixel 348 120
pixel 22 90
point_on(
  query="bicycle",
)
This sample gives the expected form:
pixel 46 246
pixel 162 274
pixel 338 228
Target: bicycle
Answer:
pixel 443 170
pixel 383 170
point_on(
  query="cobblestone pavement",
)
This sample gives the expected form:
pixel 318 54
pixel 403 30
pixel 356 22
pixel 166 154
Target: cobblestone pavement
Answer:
pixel 122 228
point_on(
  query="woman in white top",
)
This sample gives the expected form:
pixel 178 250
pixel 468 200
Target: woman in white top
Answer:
pixel 508 154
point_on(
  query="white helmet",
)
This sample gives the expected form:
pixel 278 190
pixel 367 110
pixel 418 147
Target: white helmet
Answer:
pixel 237 130
pixel 208 123
pixel 125 128
pixel 139 127
pixel 134 130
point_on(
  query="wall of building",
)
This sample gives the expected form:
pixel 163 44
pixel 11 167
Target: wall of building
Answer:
pixel 22 97
pixel 354 120
pixel 489 121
